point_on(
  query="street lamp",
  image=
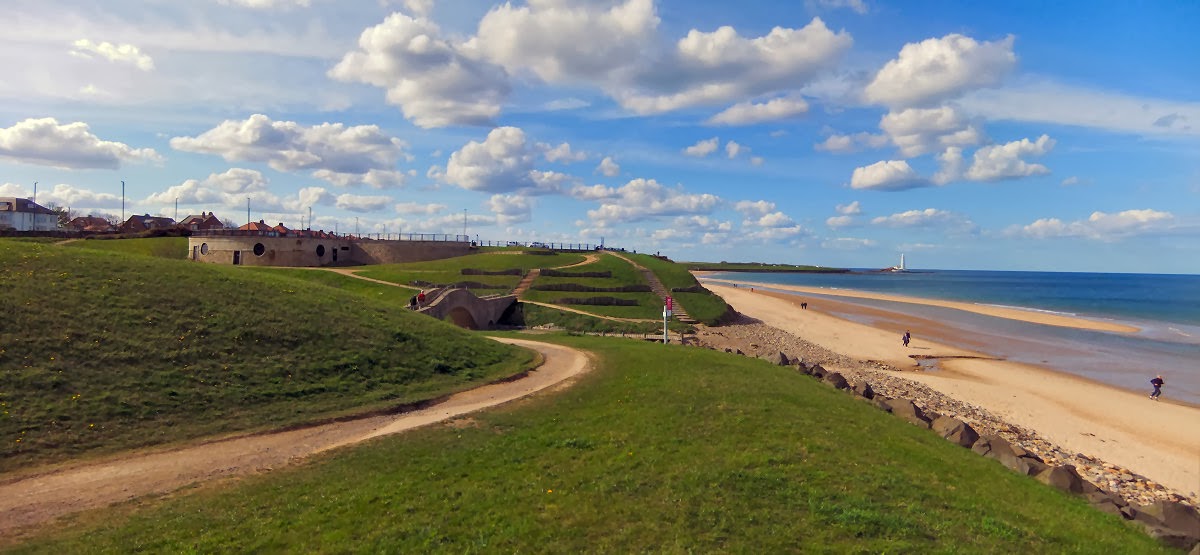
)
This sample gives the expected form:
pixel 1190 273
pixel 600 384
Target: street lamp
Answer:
pixel 247 212
pixel 465 224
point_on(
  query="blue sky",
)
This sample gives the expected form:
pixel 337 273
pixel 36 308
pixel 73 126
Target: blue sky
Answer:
pixel 833 132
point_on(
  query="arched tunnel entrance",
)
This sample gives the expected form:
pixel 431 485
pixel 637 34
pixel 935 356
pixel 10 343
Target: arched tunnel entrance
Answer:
pixel 462 318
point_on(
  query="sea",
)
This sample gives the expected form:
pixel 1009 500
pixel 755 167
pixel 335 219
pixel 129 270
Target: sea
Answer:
pixel 1165 307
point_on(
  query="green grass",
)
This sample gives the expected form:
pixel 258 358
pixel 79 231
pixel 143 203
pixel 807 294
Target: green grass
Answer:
pixel 659 449
pixel 537 315
pixel 649 305
pixel 105 351
pixel 161 247
pixel 450 270
pixel 377 292
pixel 703 307
pixel 756 267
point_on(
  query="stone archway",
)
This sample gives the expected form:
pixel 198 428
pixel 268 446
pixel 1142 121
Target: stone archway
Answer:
pixel 462 318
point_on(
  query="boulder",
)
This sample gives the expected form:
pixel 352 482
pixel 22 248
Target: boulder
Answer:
pixel 982 446
pixel 1107 506
pixel 1064 478
pixel 863 389
pixel 1089 487
pixel 1000 449
pixel 1034 466
pixel 836 380
pixel 817 371
pixel 738 352
pixel 802 368
pixel 1174 515
pixel 905 409
pixel 777 358
pixel 882 402
pixel 958 432
pixel 1170 537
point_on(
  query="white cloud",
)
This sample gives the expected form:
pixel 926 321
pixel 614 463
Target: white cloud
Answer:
pixel 757 160
pixel 77 198
pixel 1073 180
pixel 754 208
pixel 1099 226
pixel 222 188
pixel 927 218
pixel 642 199
pixel 418 208
pixel 608 167
pixel 73 146
pixel 940 69
pixel 362 203
pixel 565 104
pixel 420 8
pixel 562 153
pixel 917 131
pixel 844 144
pixel 595 192
pixel 886 175
pixel 848 243
pixel 338 154
pixel 849 209
pixel 502 163
pixel 123 53
pixel 836 222
pixel 433 80
pixel 733 149
pixel 746 113
pixel 14 190
pixel 511 209
pixel 565 42
pixel 720 66
pixel 702 148
pixel 859 6
pixel 266 4
pixel 1044 101
pixel 1004 161
pixel 951 166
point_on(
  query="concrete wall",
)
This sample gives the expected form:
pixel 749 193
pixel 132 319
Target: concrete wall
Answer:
pixel 276 251
pixel 390 252
pixel 462 308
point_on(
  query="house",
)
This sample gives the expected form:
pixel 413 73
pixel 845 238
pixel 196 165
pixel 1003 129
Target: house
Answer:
pixel 259 226
pixel 90 223
pixel 281 229
pixel 144 223
pixel 23 214
pixel 205 221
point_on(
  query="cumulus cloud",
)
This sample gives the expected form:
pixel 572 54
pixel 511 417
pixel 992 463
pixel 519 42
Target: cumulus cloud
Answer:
pixel 502 163
pixel 595 192
pixel 608 167
pixel 702 148
pixel 511 209
pixel 420 8
pixel 848 243
pixel 418 208
pixel 1072 180
pixel 266 4
pixel 435 82
pixel 934 70
pixel 362 203
pixel 1004 161
pixel 338 154
pixel 757 160
pixel 72 146
pixel 231 188
pixel 917 131
pixel 844 144
pixel 77 197
pixel 1099 226
pixel 562 153
pixel 120 53
pixel 733 149
pixel 849 209
pixel 846 217
pixel 951 166
pixel 858 6
pixel 642 199
pixel 746 113
pixel 927 218
pixel 836 222
pixel 887 175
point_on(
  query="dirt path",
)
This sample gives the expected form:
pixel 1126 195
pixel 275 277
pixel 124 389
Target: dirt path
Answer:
pixel 565 308
pixel 36 500
pixel 587 259
pixel 349 272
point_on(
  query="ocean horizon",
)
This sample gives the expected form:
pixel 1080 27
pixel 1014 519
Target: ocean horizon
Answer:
pixel 1163 306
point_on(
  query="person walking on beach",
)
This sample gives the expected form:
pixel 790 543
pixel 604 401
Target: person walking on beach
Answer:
pixel 906 338
pixel 1157 382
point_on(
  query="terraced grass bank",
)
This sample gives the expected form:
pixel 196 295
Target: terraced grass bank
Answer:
pixel 659 449
pixel 105 351
pixel 450 270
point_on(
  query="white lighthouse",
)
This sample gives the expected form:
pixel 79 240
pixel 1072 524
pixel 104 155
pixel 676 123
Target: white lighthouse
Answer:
pixel 901 267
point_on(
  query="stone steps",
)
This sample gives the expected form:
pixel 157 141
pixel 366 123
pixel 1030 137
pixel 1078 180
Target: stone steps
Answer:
pixel 526 282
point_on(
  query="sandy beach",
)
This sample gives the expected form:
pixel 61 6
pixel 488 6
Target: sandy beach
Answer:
pixel 1159 440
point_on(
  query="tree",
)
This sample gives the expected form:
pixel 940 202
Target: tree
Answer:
pixel 65 215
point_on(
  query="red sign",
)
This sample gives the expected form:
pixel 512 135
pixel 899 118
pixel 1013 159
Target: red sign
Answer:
pixel 670 303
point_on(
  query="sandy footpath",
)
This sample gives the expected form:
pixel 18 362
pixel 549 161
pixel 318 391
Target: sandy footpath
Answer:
pixel 34 500
pixel 1160 440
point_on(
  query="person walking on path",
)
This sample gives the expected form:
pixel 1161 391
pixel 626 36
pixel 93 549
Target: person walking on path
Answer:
pixel 906 338
pixel 1157 382
pixel 421 299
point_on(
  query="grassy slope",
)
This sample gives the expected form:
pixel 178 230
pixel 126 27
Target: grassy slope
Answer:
pixel 161 247
pixel 755 267
pixel 622 274
pixel 449 270
pixel 104 351
pixel 703 307
pixel 536 315
pixel 661 449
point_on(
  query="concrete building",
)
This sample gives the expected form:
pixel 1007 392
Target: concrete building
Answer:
pixel 22 214
pixel 205 221
pixel 303 248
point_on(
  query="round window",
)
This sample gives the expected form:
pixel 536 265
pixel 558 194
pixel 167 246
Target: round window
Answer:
pixel 203 248
pixel 259 249
pixel 320 251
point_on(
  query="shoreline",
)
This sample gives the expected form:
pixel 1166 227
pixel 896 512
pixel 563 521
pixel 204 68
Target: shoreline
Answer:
pixel 1011 313
pixel 1077 414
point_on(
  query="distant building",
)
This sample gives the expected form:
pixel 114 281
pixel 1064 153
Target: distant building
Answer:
pixel 95 224
pixel 145 223
pixel 260 226
pixel 22 214
pixel 205 221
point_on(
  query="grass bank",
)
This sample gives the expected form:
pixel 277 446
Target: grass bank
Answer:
pixel 622 273
pixel 703 306
pixel 660 449
pixel 106 351
pixel 160 247
pixel 449 270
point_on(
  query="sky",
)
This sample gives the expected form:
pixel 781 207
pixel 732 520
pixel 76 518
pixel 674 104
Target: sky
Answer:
pixel 965 135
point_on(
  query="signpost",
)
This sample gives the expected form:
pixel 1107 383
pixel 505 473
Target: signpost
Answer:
pixel 667 312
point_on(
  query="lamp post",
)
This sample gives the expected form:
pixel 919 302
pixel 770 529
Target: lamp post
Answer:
pixel 465 224
pixel 247 212
pixel 35 191
pixel 122 201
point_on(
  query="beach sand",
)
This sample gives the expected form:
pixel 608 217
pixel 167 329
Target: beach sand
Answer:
pixel 1159 440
